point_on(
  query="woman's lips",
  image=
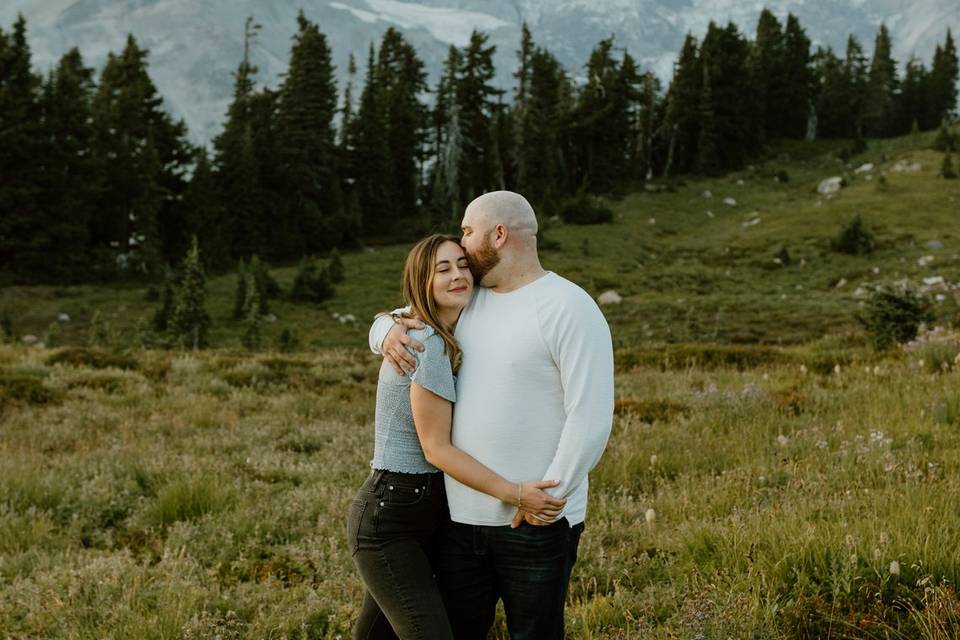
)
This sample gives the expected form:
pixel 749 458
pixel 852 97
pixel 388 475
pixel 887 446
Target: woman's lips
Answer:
pixel 458 290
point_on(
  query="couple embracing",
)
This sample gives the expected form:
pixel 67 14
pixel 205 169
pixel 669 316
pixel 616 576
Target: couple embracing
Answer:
pixel 494 401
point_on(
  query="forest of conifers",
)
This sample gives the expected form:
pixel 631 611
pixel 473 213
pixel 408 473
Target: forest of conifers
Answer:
pixel 100 183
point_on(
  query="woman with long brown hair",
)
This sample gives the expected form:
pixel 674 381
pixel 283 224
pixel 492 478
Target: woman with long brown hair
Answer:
pixel 402 504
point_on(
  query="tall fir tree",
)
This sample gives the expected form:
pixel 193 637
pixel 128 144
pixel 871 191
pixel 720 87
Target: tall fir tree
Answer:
pixel 476 100
pixel 883 85
pixel 943 83
pixel 856 73
pixel 832 98
pixel 308 100
pixel 682 120
pixel 401 81
pixel 766 66
pixel 539 122
pixel 913 101
pixel 203 213
pixel 799 80
pixel 21 128
pixel 143 155
pixel 60 251
pixel 237 165
pixel 724 53
pixel 708 159
pixel 370 157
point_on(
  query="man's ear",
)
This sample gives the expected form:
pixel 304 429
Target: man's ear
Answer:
pixel 501 235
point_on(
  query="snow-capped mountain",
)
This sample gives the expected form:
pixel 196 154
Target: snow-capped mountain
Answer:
pixel 195 45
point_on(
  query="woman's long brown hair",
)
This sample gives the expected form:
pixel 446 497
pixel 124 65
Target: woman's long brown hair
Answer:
pixel 418 272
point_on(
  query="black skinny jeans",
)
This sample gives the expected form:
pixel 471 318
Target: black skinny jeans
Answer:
pixel 391 531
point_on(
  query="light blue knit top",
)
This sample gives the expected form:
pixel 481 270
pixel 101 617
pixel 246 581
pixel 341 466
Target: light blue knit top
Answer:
pixel 397 447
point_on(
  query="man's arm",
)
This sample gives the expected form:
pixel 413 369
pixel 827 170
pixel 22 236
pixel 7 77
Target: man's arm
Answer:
pixel 579 337
pixel 389 338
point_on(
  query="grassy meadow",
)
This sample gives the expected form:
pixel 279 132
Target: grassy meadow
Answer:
pixel 769 475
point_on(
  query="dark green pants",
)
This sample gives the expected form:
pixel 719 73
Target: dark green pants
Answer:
pixel 391 530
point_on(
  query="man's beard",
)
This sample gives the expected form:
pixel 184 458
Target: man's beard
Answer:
pixel 483 260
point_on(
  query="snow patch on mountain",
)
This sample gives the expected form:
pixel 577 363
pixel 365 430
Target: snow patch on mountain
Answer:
pixel 452 26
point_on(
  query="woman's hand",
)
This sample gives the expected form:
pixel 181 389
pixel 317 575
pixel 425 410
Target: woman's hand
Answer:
pixel 535 501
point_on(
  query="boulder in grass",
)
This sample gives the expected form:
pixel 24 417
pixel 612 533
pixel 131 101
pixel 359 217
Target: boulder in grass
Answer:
pixel 864 168
pixel 63 317
pixel 905 166
pixel 830 185
pixel 609 297
pixel 730 202
pixel 29 340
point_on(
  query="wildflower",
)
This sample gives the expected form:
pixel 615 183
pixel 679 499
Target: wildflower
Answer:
pixel 650 516
pixel 836 369
pixel 894 568
pixel 782 440
pixel 653 460
pixel 821 444
pixel 884 538
pixel 876 370
pixel 803 369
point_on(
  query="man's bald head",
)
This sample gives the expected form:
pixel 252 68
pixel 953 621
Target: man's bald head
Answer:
pixel 502 207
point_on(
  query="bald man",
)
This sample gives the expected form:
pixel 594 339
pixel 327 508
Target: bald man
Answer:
pixel 534 400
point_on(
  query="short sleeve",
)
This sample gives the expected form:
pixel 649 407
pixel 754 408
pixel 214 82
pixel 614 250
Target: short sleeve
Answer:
pixel 433 371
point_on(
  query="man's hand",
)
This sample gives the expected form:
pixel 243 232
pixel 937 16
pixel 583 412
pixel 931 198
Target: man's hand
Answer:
pixel 529 518
pixel 395 344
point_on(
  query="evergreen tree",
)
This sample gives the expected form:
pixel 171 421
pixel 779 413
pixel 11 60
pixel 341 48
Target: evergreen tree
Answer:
pixel 648 125
pixel 190 320
pixel 913 101
pixel 539 150
pixel 603 118
pixel 708 160
pixel 264 282
pixel 943 83
pixel 832 98
pixel 59 251
pixel 724 53
pixel 202 213
pixel 308 101
pixel 401 81
pixel 767 64
pixel 946 140
pixel 476 99
pixel 444 183
pixel 20 133
pixel 237 165
pixel 370 157
pixel 142 157
pixel 684 98
pixel 798 77
pixel 882 88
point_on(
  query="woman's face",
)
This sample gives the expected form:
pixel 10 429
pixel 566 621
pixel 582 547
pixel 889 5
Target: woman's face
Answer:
pixel 452 281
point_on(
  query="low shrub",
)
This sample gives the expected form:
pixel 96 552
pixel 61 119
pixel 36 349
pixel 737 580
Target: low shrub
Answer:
pixel 93 358
pixel 584 208
pixel 894 315
pixel 854 239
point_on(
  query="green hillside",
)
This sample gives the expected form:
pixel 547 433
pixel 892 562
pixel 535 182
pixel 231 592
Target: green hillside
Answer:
pixel 690 268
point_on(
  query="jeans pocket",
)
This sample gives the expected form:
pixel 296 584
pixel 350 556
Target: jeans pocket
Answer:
pixel 354 518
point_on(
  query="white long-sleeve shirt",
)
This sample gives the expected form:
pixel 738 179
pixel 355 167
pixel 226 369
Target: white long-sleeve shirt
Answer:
pixel 534 392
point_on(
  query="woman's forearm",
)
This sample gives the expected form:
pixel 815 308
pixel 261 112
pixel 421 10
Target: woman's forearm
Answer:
pixel 465 469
